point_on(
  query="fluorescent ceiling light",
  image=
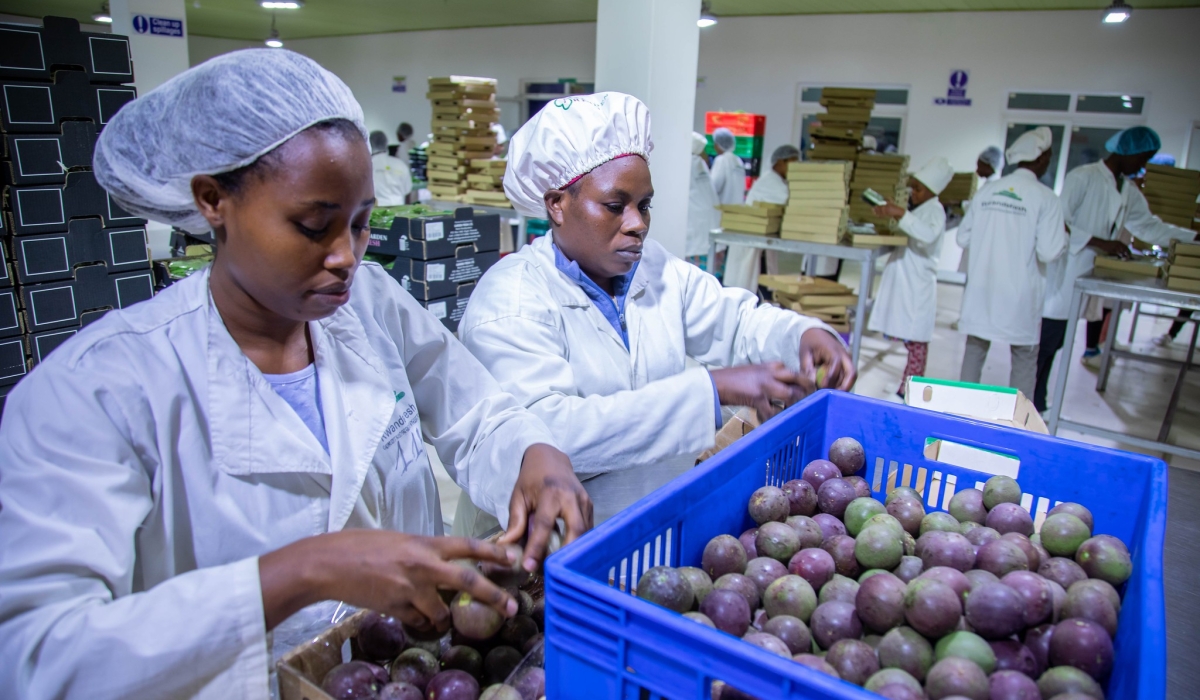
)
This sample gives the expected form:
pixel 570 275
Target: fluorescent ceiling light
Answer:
pixel 103 16
pixel 282 4
pixel 707 19
pixel 1117 12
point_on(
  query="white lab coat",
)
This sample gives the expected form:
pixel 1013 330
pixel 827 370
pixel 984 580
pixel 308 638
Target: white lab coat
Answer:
pixel 1013 231
pixel 146 465
pixel 1092 207
pixel 729 178
pixel 703 215
pixel 906 303
pixel 742 263
pixel 393 180
pixel 963 259
pixel 631 419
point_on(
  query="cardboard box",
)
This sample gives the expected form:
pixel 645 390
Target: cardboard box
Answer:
pixel 432 237
pixel 449 310
pixel 4 391
pixel 1182 284
pixel 435 279
pixel 41 159
pixel 51 257
pixel 42 344
pixel 31 108
pixel 6 276
pixel 994 404
pixel 1139 268
pixel 871 240
pixel 63 304
pixel 31 53
pixel 11 322
pixel 49 208
pixel 14 360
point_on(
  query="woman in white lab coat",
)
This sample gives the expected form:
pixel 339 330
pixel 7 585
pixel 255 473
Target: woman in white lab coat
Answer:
pixel 1013 230
pixel 703 215
pixel 728 172
pixel 184 474
pixel 906 303
pixel 744 263
pixel 598 329
pixel 393 179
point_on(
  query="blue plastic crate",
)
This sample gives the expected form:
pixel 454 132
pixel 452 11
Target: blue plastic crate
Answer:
pixel 603 642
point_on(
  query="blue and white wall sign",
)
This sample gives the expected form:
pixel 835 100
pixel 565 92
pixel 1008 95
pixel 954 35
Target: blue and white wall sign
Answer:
pixel 956 93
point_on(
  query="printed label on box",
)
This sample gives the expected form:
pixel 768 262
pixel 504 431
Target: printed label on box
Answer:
pixel 434 231
pixel 404 243
pixel 435 272
pixel 438 309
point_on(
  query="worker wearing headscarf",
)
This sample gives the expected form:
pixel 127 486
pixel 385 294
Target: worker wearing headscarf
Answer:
pixel 906 303
pixel 593 325
pixel 1098 202
pixel 393 180
pixel 743 263
pixel 703 215
pixel 1013 231
pixel 728 172
pixel 184 474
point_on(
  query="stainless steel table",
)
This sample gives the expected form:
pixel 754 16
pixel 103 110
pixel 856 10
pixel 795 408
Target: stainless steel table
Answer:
pixel 1140 291
pixel 865 257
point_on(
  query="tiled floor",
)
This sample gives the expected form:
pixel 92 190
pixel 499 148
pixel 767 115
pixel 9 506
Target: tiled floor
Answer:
pixel 1134 403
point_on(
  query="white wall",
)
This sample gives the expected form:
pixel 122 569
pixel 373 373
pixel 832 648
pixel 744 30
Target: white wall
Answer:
pixel 368 63
pixel 755 63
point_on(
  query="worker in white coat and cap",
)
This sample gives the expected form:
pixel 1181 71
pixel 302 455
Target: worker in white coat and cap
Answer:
pixel 728 172
pixel 1099 201
pixel 743 263
pixel 393 179
pixel 906 303
pixel 593 325
pixel 703 215
pixel 186 473
pixel 1013 230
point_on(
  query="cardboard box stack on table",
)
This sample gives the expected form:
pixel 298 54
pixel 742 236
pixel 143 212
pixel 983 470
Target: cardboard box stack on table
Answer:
pixel 748 130
pixel 485 182
pixel 761 218
pixel 1139 267
pixel 887 175
pixel 812 296
pixel 839 135
pixel 816 210
pixel 1171 194
pixel 464 109
pixel 1183 267
pixel 68 253
pixel 961 188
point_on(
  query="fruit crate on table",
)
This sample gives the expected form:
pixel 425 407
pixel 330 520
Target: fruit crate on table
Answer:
pixel 603 642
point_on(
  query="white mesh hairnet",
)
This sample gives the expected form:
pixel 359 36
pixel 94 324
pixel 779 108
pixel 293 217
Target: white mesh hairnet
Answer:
pixel 699 143
pixel 784 152
pixel 724 138
pixel 569 138
pixel 216 117
pixel 993 157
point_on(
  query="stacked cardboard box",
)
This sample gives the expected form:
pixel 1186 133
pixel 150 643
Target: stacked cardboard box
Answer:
pixel 68 252
pixel 816 210
pixel 840 133
pixel 1171 194
pixel 887 175
pixel 1140 267
pixel 761 218
pixel 961 188
pixel 813 296
pixel 464 109
pixel 748 130
pixel 485 182
pixel 1183 267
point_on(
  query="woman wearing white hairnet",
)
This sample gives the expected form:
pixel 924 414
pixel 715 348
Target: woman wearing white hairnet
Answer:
pixel 184 474
pixel 728 172
pixel 592 326
pixel 1013 230
pixel 744 263
pixel 906 303
pixel 703 215
pixel 393 179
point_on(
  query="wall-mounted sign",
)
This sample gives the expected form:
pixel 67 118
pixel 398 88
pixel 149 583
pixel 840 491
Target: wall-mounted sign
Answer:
pixel 400 83
pixel 956 93
pixel 159 26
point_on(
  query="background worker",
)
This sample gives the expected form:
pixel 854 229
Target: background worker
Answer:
pixel 703 215
pixel 393 179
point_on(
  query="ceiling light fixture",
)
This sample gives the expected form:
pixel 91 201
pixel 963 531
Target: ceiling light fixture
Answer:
pixel 281 4
pixel 103 16
pixel 273 39
pixel 1117 12
pixel 707 19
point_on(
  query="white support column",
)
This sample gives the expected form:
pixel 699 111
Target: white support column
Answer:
pixel 649 49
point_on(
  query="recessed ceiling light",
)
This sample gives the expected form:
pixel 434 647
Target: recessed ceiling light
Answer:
pixel 282 4
pixel 1117 12
pixel 273 40
pixel 103 16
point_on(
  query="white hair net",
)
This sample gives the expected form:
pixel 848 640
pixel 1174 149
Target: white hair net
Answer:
pixel 699 143
pixel 569 138
pixel 1029 145
pixel 724 138
pixel 216 117
pixel 869 142
pixel 993 157
pixel 935 174
pixel 784 152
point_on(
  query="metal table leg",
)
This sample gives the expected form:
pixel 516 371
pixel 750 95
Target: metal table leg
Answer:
pixel 1137 311
pixel 866 270
pixel 1106 357
pixel 1064 364
pixel 1166 426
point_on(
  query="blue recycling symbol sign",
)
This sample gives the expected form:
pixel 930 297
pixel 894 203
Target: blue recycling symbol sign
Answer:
pixel 956 93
